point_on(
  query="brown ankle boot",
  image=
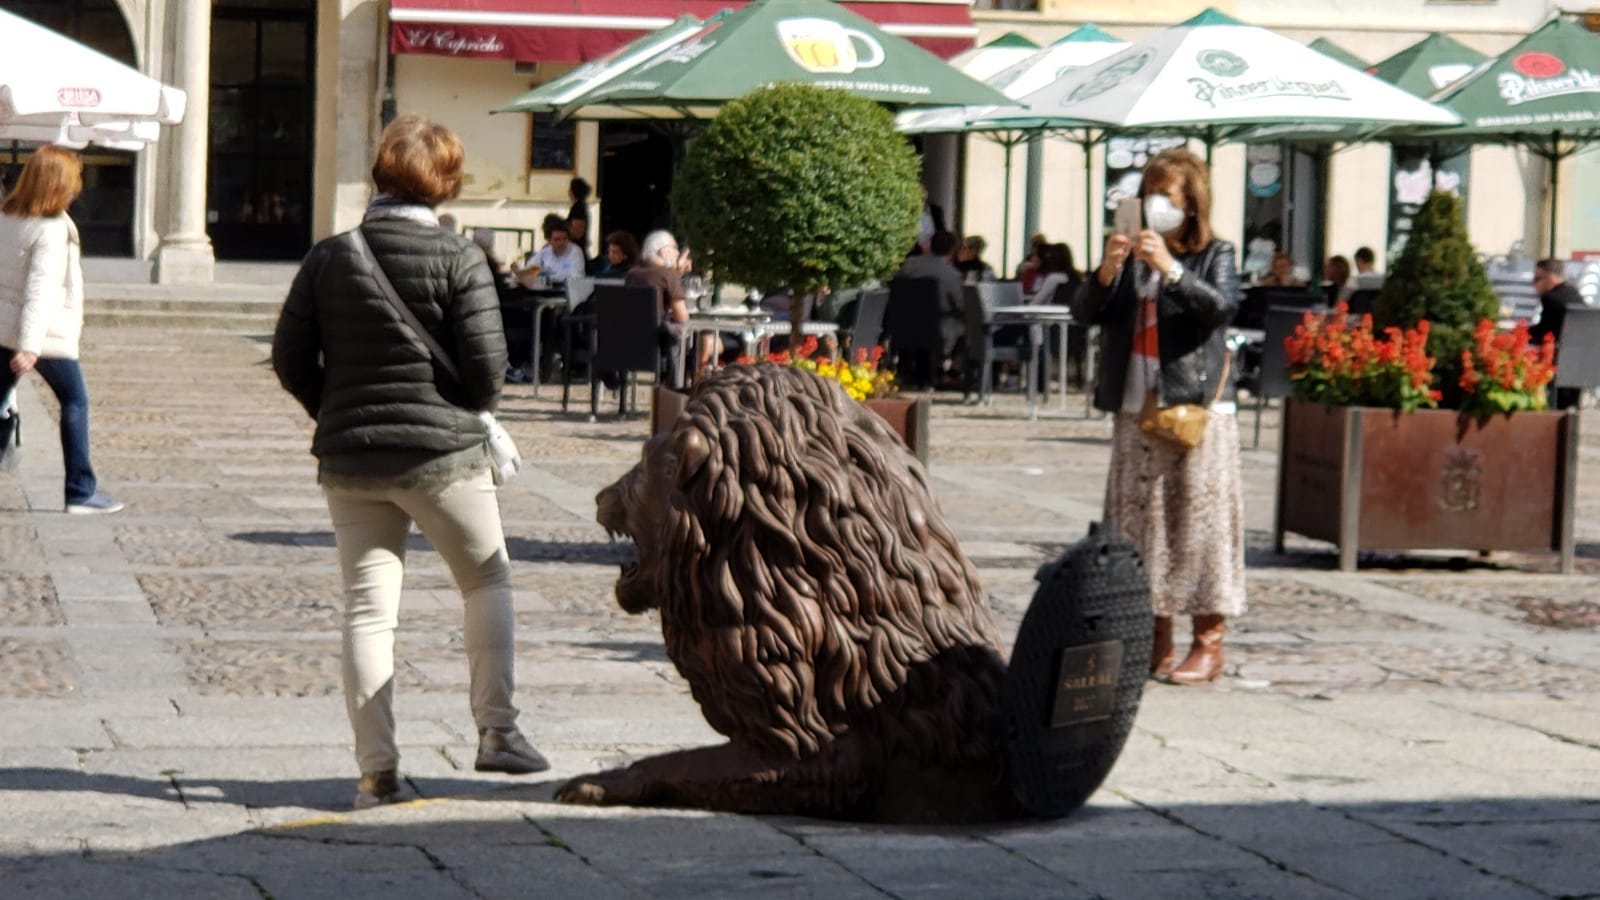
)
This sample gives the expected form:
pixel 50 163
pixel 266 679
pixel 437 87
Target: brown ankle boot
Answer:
pixel 1163 657
pixel 1204 662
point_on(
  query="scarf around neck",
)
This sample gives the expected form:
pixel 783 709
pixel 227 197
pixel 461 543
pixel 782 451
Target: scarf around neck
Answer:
pixel 384 206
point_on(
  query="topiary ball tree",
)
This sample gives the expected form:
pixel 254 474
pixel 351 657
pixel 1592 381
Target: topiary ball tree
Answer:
pixel 1438 278
pixel 799 186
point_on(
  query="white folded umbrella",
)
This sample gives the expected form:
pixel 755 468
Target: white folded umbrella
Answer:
pixel 54 89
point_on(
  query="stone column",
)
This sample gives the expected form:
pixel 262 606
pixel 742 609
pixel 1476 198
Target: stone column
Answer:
pixel 185 256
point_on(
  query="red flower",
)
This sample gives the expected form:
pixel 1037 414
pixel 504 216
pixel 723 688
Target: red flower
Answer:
pixel 1504 372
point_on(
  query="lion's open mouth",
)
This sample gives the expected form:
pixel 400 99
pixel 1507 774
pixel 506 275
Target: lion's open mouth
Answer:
pixel 628 580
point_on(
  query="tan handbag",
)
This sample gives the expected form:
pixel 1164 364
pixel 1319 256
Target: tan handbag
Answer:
pixel 1182 425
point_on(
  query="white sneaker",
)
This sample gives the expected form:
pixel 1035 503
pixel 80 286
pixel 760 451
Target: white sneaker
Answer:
pixel 97 505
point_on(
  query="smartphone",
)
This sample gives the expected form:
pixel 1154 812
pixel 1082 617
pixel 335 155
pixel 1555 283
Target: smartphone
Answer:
pixel 1129 220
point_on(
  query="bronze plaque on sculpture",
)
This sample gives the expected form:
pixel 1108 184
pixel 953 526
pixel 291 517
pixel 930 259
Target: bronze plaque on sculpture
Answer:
pixel 1086 688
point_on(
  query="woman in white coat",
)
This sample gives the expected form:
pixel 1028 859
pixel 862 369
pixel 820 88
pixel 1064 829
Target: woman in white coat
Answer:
pixel 41 307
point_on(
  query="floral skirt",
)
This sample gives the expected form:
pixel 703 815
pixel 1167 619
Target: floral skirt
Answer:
pixel 1184 513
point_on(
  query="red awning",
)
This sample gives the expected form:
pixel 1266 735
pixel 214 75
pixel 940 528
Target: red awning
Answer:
pixel 571 31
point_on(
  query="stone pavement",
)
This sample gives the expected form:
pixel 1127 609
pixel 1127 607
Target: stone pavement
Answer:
pixel 172 725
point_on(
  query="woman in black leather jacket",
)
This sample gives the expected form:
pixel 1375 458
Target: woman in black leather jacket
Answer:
pixel 1163 300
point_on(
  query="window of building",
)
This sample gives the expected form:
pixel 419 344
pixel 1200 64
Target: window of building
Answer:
pixel 553 144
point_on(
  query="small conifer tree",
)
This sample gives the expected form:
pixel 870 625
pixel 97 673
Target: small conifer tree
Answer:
pixel 1438 278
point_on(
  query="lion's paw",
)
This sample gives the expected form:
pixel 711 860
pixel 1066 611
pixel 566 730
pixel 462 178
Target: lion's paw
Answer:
pixel 596 789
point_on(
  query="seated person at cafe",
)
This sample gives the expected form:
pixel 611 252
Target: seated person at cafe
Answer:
pixel 1282 272
pixel 1055 265
pixel 969 260
pixel 621 254
pixel 1336 279
pixel 557 261
pixel 1368 278
pixel 937 264
pixel 517 346
pixel 1056 271
pixel 1556 296
pixel 660 266
pixel 1028 270
pixel 484 238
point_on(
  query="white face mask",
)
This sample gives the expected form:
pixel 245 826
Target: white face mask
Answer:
pixel 1160 215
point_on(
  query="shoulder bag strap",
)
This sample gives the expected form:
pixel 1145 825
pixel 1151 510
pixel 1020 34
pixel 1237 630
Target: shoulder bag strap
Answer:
pixel 386 287
pixel 1222 380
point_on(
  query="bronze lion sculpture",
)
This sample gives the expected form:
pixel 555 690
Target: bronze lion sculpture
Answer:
pixel 813 597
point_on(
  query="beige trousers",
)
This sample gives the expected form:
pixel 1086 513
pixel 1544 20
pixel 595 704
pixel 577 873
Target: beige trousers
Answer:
pixel 462 522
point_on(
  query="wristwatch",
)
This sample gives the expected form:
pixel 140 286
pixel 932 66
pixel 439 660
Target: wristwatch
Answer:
pixel 1174 273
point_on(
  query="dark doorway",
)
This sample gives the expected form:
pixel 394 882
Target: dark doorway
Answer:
pixel 104 212
pixel 636 163
pixel 263 97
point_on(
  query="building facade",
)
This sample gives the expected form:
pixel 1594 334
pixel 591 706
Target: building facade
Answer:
pixel 287 97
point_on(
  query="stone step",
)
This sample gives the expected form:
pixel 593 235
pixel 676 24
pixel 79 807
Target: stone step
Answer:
pixel 234 308
pixel 188 319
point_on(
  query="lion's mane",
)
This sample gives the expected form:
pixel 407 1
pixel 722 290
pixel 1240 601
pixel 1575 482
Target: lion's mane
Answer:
pixel 809 585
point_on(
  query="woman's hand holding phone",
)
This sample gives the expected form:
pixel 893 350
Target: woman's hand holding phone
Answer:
pixel 1117 247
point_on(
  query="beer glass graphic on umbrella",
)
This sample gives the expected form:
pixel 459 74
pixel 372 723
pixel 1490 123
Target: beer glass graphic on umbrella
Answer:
pixel 823 45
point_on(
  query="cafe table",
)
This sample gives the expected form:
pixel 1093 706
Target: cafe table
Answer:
pixel 1044 315
pixel 534 301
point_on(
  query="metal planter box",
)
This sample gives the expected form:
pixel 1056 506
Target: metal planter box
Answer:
pixel 1377 479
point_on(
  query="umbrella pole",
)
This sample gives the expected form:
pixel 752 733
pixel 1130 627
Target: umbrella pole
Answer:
pixel 1032 184
pixel 1005 214
pixel 1090 203
pixel 1555 185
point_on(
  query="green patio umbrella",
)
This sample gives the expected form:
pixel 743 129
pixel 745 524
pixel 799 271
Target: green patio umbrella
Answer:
pixel 1542 94
pixel 557 92
pixel 809 41
pixel 1430 65
pixel 1329 48
pixel 982 62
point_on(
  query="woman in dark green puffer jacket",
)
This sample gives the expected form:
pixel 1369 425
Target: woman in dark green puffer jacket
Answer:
pixel 399 441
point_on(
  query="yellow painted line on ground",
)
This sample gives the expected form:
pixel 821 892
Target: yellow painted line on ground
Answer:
pixel 337 818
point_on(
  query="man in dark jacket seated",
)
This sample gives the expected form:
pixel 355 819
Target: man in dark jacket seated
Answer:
pixel 1556 296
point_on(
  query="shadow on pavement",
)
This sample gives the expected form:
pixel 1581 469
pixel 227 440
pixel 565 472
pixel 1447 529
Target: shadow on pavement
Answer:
pixel 190 790
pixel 524 847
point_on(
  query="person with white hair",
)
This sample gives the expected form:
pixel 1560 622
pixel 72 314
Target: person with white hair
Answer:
pixel 661 265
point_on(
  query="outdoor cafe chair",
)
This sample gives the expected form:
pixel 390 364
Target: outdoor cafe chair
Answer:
pixel 867 329
pixel 982 352
pixel 1577 354
pixel 911 329
pixel 624 337
pixel 1272 374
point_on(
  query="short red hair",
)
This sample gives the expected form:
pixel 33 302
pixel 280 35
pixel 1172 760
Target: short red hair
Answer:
pixel 51 180
pixel 418 161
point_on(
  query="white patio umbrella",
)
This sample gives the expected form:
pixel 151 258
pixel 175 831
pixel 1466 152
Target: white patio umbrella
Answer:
pixel 1212 76
pixel 1087 45
pixel 54 89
